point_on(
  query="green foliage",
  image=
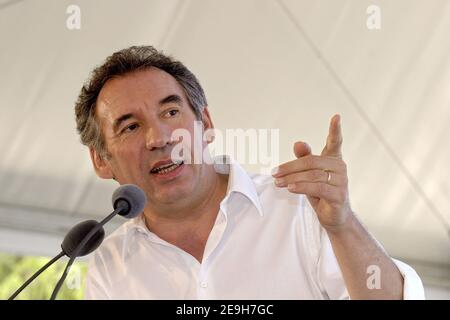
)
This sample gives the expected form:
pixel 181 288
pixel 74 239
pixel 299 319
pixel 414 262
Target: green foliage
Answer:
pixel 15 270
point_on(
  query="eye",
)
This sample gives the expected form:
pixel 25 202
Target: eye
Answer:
pixel 130 128
pixel 172 112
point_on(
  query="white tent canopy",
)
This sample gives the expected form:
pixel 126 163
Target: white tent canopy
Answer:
pixel 287 64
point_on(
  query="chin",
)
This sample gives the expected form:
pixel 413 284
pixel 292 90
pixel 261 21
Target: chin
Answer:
pixel 172 195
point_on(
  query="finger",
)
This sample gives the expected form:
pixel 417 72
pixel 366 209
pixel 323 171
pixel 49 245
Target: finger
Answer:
pixel 333 147
pixel 320 190
pixel 301 149
pixel 308 163
pixel 315 175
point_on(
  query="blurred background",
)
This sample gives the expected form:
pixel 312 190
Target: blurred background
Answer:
pixel 384 66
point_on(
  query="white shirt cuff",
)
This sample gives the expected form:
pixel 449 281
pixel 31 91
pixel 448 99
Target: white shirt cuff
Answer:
pixel 412 285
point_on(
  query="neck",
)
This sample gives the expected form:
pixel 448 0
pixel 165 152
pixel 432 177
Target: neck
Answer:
pixel 196 218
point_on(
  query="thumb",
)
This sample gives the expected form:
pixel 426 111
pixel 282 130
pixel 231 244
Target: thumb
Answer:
pixel 301 149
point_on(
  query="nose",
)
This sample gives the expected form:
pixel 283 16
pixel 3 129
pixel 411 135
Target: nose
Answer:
pixel 157 138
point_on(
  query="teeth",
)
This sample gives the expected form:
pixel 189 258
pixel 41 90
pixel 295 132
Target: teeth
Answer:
pixel 167 168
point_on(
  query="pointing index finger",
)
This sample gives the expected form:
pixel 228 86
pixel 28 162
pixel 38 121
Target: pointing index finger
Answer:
pixel 334 139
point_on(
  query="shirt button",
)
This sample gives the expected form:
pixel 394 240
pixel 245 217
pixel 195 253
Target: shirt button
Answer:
pixel 203 284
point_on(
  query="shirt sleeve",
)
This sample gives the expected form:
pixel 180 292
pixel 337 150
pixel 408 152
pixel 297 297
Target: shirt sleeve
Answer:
pixel 329 276
pixel 412 285
pixel 332 282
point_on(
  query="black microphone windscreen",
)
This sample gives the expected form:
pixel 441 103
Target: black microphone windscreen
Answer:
pixel 135 198
pixel 77 234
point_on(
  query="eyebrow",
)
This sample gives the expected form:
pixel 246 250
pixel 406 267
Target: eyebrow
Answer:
pixel 173 98
pixel 118 121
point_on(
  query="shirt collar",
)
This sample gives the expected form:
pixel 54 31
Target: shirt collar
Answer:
pixel 238 181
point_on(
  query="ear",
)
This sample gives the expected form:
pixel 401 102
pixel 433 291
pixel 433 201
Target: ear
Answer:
pixel 101 165
pixel 207 122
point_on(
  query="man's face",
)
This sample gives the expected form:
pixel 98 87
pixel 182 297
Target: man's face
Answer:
pixel 137 114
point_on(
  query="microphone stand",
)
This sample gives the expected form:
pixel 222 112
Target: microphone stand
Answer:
pixel 75 235
pixel 122 206
pixel 34 276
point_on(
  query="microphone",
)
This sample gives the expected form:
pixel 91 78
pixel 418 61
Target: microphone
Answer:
pixel 68 246
pixel 131 198
pixel 128 201
pixel 77 234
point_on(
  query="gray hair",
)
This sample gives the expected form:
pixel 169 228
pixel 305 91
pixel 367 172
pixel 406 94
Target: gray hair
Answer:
pixel 120 63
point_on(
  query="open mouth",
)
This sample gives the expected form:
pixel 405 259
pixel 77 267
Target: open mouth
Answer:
pixel 166 168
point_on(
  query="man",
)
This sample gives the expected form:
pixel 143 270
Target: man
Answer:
pixel 211 230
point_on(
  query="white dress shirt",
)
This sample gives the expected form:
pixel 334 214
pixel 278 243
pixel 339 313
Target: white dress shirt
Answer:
pixel 266 243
